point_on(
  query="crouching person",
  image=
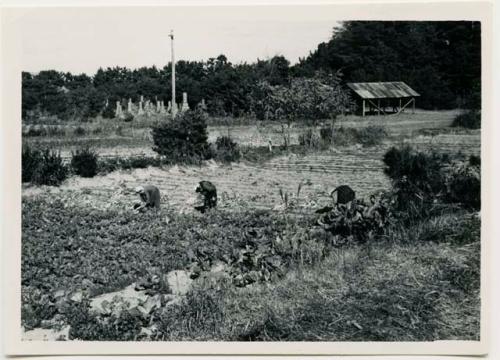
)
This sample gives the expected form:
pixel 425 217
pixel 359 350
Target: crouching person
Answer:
pixel 150 198
pixel 208 193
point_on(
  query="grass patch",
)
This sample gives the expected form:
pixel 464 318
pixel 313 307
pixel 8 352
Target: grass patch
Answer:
pixel 371 135
pixel 378 292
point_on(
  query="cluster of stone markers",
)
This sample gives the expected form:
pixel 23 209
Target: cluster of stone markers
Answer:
pixel 148 108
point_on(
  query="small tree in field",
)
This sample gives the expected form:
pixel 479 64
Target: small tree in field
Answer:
pixel 184 139
pixel 321 97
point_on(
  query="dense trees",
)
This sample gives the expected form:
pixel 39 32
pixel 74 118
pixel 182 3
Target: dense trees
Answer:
pixel 441 60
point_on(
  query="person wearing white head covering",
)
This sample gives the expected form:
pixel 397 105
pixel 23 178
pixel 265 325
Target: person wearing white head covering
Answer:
pixel 150 196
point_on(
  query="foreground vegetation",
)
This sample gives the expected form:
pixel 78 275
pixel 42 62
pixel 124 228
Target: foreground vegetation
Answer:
pixel 284 277
pixel 416 283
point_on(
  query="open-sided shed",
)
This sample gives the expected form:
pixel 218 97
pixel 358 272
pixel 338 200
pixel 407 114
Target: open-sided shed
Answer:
pixel 380 95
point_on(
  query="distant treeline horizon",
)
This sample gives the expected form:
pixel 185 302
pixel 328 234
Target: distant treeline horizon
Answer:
pixel 439 59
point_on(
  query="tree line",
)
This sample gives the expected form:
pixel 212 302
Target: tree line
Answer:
pixel 440 60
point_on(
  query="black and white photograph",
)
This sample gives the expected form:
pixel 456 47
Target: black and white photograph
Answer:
pixel 248 174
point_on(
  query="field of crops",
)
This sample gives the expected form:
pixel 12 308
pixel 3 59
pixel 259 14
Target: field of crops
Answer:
pixel 82 240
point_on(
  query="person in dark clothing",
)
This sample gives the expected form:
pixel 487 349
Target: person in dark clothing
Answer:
pixel 209 193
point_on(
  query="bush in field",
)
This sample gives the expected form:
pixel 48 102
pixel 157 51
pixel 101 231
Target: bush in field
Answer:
pixel 184 139
pixel 470 120
pixel 50 169
pixel 31 158
pixel 79 131
pixel 326 133
pixel 226 150
pixel 422 180
pixel 84 162
pixel 417 177
pixel 108 112
pixel 128 117
pixel 310 139
pixel 464 185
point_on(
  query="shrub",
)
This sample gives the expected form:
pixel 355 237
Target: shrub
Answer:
pixel 184 139
pixel 50 170
pixel 422 180
pixel 31 159
pixel 84 162
pixel 475 160
pixel 108 112
pixel 464 185
pixel 371 135
pixel 326 134
pixel 79 131
pixel 128 116
pixel 470 120
pixel 227 150
pixel 309 139
pixel 416 177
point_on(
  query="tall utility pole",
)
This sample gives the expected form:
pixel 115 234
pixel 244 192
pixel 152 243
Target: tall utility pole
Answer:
pixel 174 104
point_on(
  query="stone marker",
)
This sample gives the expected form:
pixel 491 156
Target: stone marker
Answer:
pixel 141 109
pixel 118 111
pixel 185 105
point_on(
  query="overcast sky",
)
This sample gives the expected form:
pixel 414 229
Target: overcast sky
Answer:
pixel 84 39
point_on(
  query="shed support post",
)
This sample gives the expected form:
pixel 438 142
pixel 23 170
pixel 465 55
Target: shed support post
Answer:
pixel 399 105
pixel 363 107
pixel 413 112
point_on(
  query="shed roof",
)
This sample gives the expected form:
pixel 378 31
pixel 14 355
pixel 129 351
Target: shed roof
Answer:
pixel 382 90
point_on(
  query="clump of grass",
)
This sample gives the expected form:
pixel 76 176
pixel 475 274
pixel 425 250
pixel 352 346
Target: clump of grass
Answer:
pixel 198 318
